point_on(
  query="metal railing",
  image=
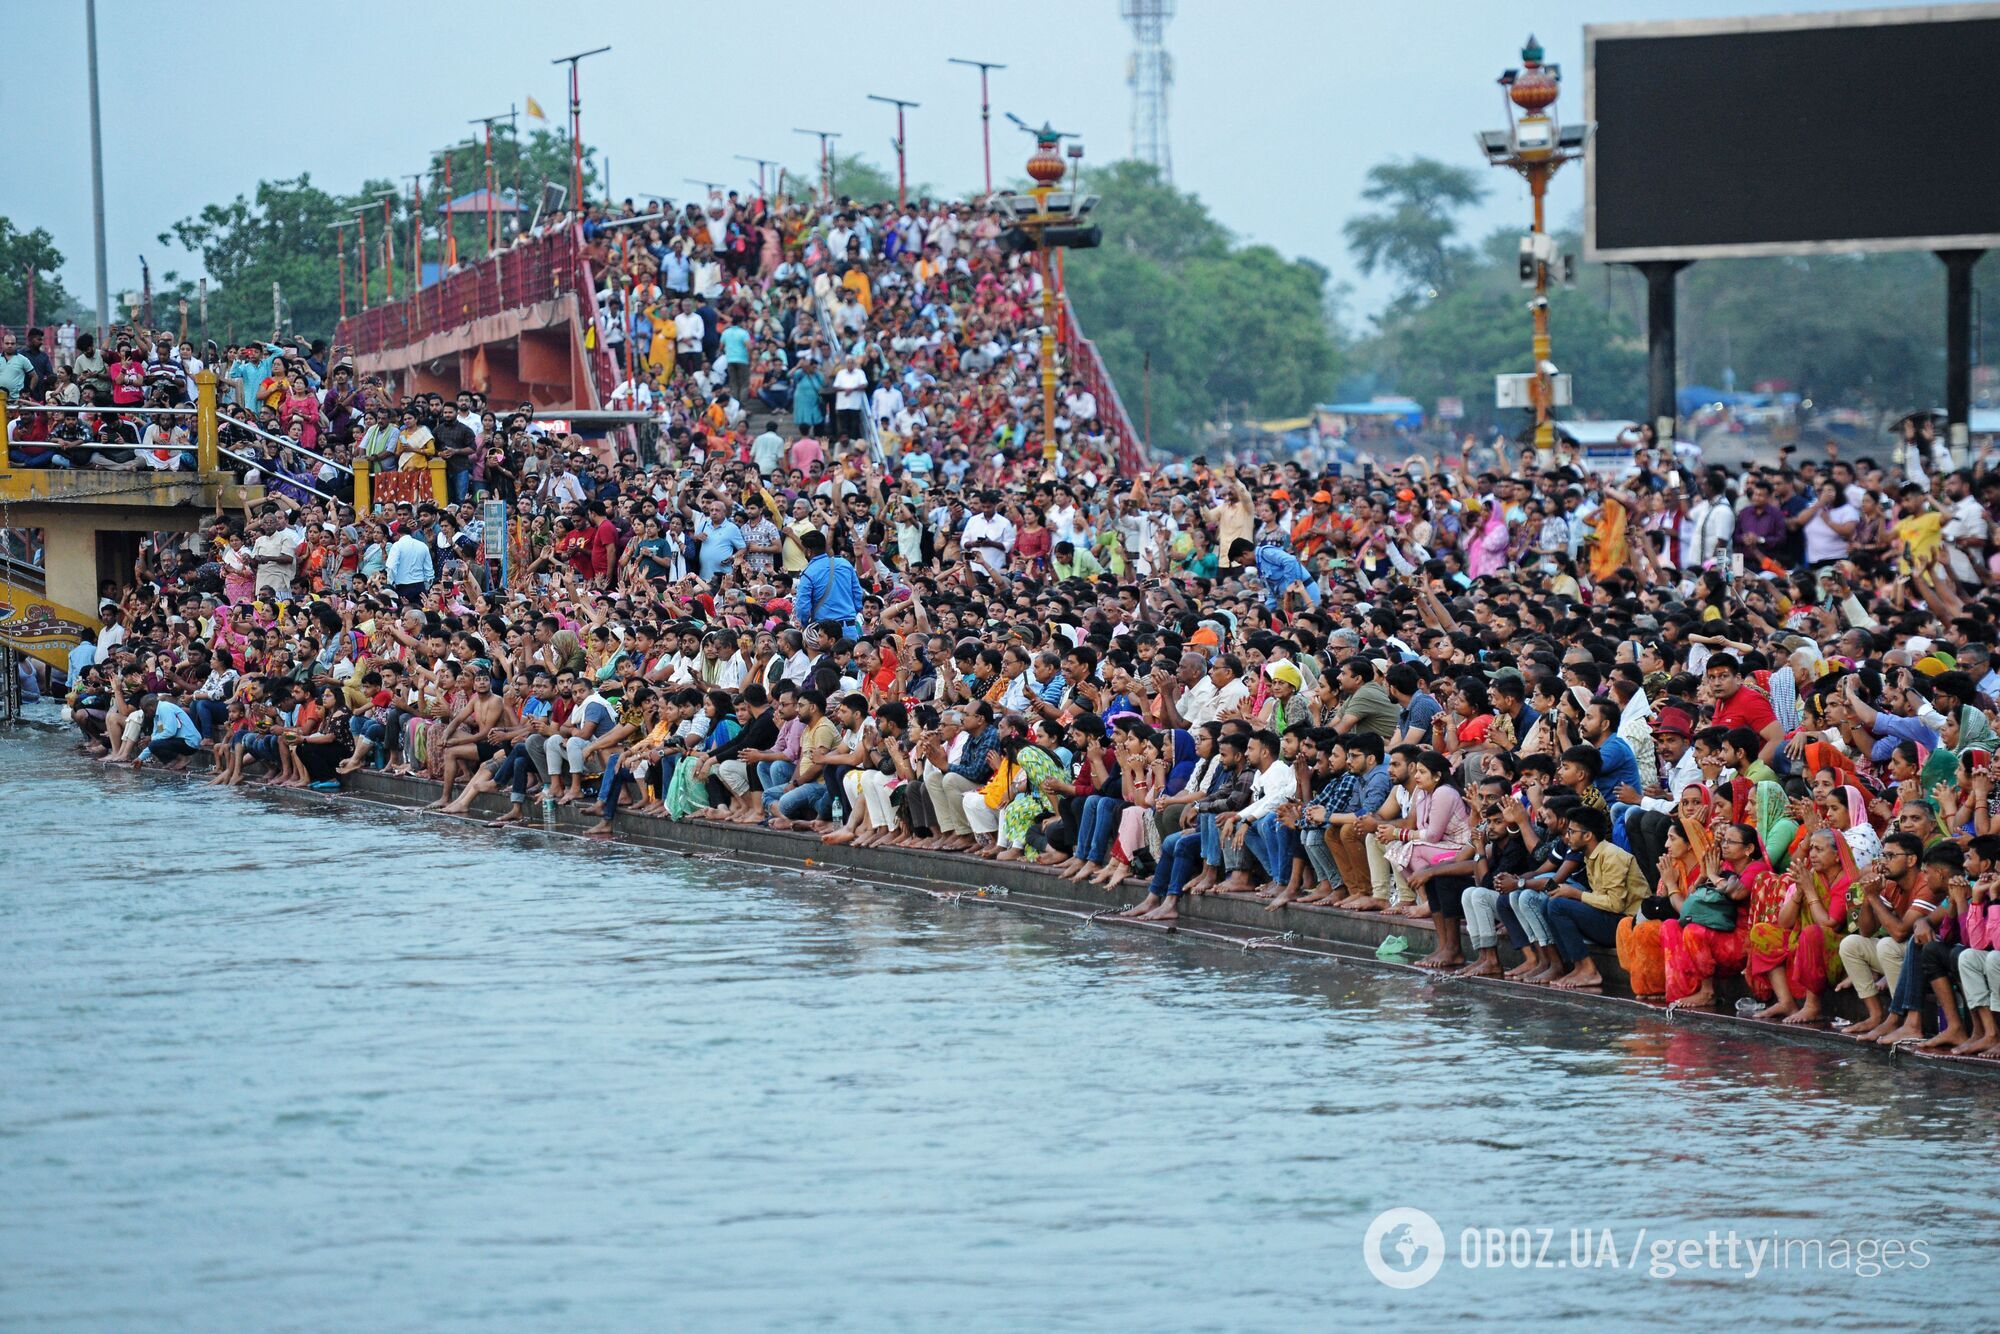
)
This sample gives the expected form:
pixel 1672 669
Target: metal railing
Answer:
pixel 871 432
pixel 535 270
pixel 1086 365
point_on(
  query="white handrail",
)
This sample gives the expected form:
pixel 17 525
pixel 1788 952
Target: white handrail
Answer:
pixel 285 478
pixel 20 408
pixel 286 442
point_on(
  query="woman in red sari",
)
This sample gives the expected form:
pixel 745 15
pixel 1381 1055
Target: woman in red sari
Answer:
pixel 1712 932
pixel 1791 954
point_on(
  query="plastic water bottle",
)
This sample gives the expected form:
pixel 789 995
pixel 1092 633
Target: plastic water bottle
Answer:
pixel 1747 1006
pixel 548 807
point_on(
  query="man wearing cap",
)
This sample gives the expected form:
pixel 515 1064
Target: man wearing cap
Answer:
pixel 1650 813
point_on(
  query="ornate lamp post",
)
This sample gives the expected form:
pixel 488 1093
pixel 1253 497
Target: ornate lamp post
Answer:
pixel 1046 220
pixel 1536 145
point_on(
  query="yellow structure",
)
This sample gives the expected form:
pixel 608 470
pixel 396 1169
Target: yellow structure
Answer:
pixel 91 524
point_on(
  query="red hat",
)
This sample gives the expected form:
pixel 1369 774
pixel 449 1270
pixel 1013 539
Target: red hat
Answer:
pixel 1674 721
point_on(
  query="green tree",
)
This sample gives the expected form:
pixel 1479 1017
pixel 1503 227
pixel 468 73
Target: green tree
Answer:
pixel 1414 235
pixel 854 177
pixel 1223 326
pixel 20 253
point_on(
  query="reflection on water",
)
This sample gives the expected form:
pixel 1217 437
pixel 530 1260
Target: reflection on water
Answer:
pixel 270 1064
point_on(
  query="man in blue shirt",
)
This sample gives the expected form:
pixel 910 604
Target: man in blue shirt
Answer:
pixel 1280 571
pixel 736 359
pixel 174 737
pixel 828 590
pixel 721 540
pixel 1617 765
pixel 409 566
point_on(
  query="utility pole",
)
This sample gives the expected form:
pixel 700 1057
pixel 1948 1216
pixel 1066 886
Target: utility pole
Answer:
pixel 389 244
pixel 492 218
pixel 361 222
pixel 416 180
pixel 576 126
pixel 762 162
pixel 985 112
pixel 902 175
pixel 97 179
pixel 339 230
pixel 825 159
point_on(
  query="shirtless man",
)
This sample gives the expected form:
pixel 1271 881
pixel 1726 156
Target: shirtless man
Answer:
pixel 473 735
pixel 487 777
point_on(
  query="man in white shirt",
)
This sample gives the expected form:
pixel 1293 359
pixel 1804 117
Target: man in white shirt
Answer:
pixel 988 534
pixel 273 554
pixel 1711 526
pixel 1257 825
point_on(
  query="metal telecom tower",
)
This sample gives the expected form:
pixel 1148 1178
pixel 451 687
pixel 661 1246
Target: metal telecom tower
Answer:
pixel 1151 75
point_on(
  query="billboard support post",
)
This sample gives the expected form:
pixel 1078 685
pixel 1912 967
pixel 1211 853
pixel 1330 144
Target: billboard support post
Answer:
pixel 1661 352
pixel 1958 266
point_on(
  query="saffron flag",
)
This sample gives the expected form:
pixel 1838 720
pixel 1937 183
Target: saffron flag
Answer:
pixel 535 110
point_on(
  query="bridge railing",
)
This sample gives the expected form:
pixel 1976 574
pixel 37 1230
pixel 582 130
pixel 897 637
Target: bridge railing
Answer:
pixel 1087 366
pixel 535 270
pixel 204 413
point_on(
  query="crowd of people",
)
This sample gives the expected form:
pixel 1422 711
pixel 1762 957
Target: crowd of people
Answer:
pixel 1734 729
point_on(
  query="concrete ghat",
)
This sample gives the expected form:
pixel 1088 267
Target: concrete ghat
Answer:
pixel 1227 921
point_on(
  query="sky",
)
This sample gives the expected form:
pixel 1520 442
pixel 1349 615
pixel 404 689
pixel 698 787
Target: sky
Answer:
pixel 1278 110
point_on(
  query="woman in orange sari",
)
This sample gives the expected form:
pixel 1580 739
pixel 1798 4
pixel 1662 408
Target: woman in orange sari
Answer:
pixel 1793 952
pixel 1607 541
pixel 1712 933
pixel 1641 947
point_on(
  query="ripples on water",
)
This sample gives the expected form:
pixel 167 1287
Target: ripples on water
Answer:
pixel 270 1065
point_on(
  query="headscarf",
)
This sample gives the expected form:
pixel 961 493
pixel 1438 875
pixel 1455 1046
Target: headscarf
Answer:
pixel 1181 758
pixel 1689 868
pixel 1941 766
pixel 1608 546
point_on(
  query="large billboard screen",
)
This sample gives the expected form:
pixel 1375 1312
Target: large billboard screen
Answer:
pixel 1794 134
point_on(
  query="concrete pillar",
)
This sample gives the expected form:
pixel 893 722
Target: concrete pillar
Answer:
pixel 69 559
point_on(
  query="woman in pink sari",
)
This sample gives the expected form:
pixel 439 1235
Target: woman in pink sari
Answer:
pixel 1791 954
pixel 1486 545
pixel 1437 830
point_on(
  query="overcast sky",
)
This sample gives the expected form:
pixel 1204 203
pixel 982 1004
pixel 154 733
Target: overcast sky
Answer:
pixel 1278 110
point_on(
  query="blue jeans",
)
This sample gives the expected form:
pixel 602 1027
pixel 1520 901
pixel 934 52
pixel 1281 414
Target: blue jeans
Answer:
pixel 1180 857
pixel 1312 841
pixel 1210 834
pixel 514 771
pixel 1272 844
pixel 1529 909
pixel 612 784
pixel 1578 926
pixel 772 775
pixel 458 485
pixel 1096 828
pixel 209 715
pixel 803 802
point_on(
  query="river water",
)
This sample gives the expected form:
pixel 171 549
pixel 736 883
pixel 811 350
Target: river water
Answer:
pixel 273 1065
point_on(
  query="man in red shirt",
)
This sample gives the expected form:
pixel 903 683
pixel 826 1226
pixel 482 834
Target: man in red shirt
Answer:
pixel 603 543
pixel 1737 704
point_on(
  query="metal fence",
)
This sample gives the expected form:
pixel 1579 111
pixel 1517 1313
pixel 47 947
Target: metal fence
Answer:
pixel 535 270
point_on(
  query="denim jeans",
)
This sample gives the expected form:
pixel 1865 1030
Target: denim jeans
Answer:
pixel 1312 841
pixel 1100 823
pixel 514 771
pixel 1271 843
pixel 1578 926
pixel 1176 866
pixel 772 775
pixel 1530 907
pixel 209 715
pixel 1211 840
pixel 803 802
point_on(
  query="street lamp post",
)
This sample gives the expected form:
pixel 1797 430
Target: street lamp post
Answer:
pixel 762 162
pixel 902 176
pixel 576 127
pixel 825 159
pixel 416 180
pixel 361 247
pixel 339 230
pixel 1536 145
pixel 492 218
pixel 985 112
pixel 1046 221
